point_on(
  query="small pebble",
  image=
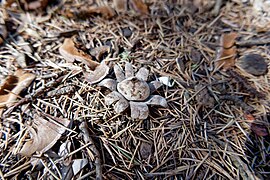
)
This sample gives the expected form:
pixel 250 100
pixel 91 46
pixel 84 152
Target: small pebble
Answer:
pixel 126 32
pixel 254 64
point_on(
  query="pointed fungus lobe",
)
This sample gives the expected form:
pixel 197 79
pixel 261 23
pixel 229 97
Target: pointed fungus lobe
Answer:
pixel 132 91
pixel 157 100
pixel 129 70
pixel 112 98
pixel 142 74
pixel 120 103
pixel 44 135
pixel 120 76
pixel 108 83
pixel 139 110
pixel 69 51
pixel 98 74
pixel 226 56
pixel 154 85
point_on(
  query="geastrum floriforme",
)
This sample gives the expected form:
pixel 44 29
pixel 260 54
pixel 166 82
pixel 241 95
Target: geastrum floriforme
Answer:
pixel 130 90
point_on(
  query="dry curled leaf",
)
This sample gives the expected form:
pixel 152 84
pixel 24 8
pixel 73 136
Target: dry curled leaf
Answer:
pixel 99 52
pixel 249 117
pixel 227 53
pixel 69 51
pixel 44 135
pixel 139 6
pixel 105 11
pixel 12 87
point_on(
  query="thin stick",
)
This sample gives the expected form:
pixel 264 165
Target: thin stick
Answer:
pixel 38 93
pixel 88 139
pixel 253 42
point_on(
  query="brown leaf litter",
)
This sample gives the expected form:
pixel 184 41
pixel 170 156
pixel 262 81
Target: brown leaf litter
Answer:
pixel 69 51
pixel 44 135
pixel 97 70
pixel 12 87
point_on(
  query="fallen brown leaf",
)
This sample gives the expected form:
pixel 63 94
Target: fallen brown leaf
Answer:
pixel 227 53
pixel 99 52
pixel 105 11
pixel 44 135
pixel 71 53
pixel 12 87
pixel 139 6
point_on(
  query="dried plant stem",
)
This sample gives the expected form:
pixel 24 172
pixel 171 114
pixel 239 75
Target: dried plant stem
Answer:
pixel 38 93
pixel 253 42
pixel 217 7
pixel 88 139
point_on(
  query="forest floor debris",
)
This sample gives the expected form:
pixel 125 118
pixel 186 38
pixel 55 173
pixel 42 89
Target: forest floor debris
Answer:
pixel 216 121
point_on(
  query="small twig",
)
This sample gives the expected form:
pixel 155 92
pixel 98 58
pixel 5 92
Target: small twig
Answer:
pixel 88 139
pixel 38 93
pixel 217 7
pixel 253 42
pixel 237 101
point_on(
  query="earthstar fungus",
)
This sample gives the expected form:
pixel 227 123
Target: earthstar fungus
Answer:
pixel 132 90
